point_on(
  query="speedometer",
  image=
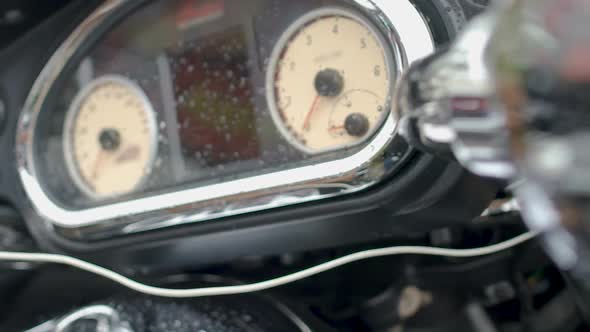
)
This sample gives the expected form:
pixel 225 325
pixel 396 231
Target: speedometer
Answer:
pixel 110 137
pixel 329 81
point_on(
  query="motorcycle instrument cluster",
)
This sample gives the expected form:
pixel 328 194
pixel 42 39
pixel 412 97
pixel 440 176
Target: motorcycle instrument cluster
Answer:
pixel 215 109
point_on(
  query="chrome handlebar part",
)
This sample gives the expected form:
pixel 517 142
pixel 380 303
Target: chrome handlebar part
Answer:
pixel 509 99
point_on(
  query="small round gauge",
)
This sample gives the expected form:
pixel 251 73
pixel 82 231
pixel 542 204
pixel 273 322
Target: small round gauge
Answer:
pixel 110 137
pixel 329 81
pixel 346 122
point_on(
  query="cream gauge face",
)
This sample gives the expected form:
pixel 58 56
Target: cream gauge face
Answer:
pixel 329 81
pixel 110 137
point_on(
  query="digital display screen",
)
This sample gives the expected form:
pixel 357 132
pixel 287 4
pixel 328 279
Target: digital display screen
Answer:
pixel 214 100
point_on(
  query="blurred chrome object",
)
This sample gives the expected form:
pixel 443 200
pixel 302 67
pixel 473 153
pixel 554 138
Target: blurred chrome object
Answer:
pixel 510 100
pixel 98 318
pixel 447 101
pixel 540 56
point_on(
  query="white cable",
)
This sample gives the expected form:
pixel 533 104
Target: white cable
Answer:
pixel 264 285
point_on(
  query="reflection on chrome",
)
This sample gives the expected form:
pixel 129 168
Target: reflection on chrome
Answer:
pixel 100 317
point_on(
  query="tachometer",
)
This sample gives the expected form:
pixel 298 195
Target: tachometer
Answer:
pixel 329 81
pixel 110 137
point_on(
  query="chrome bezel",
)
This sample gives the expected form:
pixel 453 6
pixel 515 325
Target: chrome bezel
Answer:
pixel 72 115
pixel 391 61
pixel 408 34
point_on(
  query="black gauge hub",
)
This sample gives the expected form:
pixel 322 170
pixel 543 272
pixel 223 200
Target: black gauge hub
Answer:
pixel 329 83
pixel 109 139
pixel 356 124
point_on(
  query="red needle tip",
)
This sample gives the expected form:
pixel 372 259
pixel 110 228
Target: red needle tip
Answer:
pixel 310 113
pixel 336 127
pixel 98 164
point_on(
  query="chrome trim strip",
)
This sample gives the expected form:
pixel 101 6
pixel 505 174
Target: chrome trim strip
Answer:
pixel 404 28
pixel 106 318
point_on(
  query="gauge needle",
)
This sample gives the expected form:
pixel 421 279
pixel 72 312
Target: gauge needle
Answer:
pixel 314 106
pixel 98 163
pixel 334 128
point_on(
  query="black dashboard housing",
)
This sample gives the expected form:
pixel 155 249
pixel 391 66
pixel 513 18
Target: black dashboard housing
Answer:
pixel 427 193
